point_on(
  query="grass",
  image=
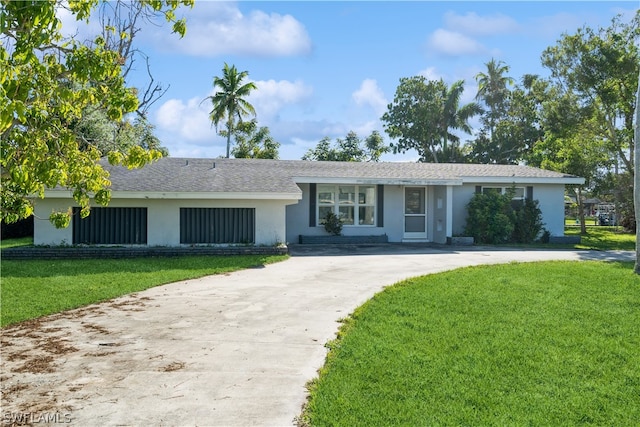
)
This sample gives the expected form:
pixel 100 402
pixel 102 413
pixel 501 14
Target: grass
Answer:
pixel 35 288
pixel 603 238
pixel 14 243
pixel 543 344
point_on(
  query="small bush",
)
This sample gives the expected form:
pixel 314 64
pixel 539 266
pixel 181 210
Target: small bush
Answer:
pixel 489 218
pixel 528 222
pixel 493 219
pixel 332 224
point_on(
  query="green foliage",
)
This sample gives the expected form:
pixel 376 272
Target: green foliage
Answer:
pixel 551 343
pixel 47 82
pixel 228 102
pixel 528 223
pixel 332 224
pixel 494 218
pixel 490 218
pixel 423 115
pixel 601 67
pixel 254 143
pixel 35 288
pixel 95 129
pixel 350 149
pixel 512 125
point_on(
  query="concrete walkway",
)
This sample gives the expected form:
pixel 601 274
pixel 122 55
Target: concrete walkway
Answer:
pixel 231 350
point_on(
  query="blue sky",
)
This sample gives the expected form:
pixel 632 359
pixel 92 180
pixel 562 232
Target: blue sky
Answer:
pixel 325 68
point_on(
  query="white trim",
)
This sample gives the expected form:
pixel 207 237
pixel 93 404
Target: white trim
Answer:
pixel 356 205
pixel 293 197
pixel 521 180
pixel 415 236
pixel 377 181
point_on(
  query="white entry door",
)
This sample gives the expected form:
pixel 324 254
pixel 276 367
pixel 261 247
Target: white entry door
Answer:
pixel 415 217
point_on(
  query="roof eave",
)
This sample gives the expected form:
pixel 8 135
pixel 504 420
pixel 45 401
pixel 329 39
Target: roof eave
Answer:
pixel 522 180
pixel 177 195
pixel 375 181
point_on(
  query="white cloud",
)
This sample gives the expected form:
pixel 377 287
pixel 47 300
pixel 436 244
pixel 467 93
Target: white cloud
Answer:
pixel 185 121
pixel 370 94
pixel 451 43
pixel 431 74
pixel 215 29
pixel 474 24
pixel 272 96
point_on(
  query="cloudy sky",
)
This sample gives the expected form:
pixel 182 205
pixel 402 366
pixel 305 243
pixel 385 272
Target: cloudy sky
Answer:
pixel 326 68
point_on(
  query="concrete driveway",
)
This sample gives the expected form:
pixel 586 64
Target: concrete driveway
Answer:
pixel 229 350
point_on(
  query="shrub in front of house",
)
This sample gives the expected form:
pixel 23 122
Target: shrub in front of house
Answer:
pixel 528 222
pixel 494 218
pixel 332 224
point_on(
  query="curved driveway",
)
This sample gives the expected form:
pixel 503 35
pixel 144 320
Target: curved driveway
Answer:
pixel 230 350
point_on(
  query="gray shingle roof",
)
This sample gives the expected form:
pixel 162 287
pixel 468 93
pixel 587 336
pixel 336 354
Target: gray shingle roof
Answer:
pixel 279 176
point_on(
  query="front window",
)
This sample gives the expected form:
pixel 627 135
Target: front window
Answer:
pixel 518 192
pixel 353 204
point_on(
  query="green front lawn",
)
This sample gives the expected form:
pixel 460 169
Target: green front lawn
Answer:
pixel 14 243
pixel 603 238
pixel 36 288
pixel 542 344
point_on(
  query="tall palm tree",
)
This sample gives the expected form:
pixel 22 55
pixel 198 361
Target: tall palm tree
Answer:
pixel 454 116
pixel 493 90
pixel 228 101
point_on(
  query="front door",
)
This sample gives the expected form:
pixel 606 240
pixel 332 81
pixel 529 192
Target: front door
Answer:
pixel 415 217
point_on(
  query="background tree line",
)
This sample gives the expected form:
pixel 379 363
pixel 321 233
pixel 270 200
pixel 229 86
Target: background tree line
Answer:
pixel 65 104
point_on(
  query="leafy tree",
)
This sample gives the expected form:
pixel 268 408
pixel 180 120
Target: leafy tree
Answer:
pixel 455 117
pixel 572 141
pixel 95 130
pixel 229 101
pixel 46 82
pixel 493 91
pixel 254 143
pixel 600 67
pixel 121 22
pixel 423 115
pixel 509 137
pixel 350 149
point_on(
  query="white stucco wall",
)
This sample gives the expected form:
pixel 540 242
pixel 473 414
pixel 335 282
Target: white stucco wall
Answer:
pixel 163 219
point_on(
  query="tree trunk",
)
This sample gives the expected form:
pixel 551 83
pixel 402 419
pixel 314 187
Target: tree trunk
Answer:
pixel 229 126
pixel 636 179
pixel 583 226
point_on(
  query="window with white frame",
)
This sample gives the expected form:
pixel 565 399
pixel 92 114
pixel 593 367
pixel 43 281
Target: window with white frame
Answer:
pixel 353 204
pixel 518 195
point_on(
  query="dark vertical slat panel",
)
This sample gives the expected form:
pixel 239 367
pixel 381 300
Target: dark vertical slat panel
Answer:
pixel 217 225
pixel 312 205
pixel 478 189
pixel 380 204
pixel 111 226
pixel 529 194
